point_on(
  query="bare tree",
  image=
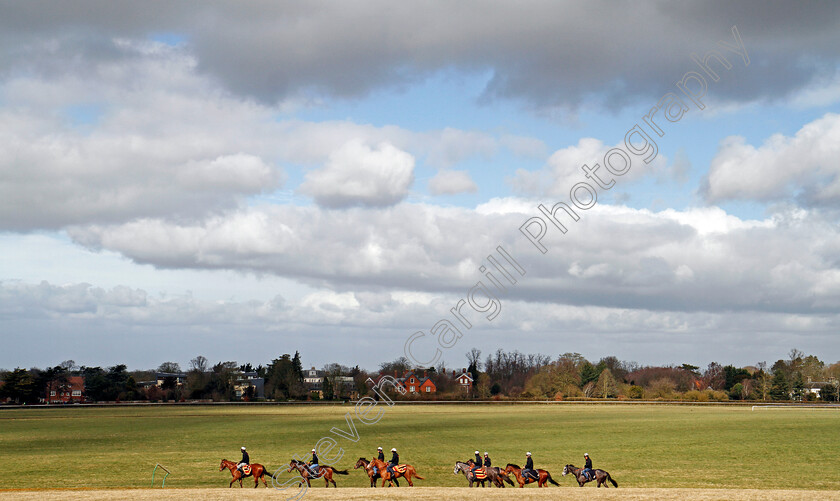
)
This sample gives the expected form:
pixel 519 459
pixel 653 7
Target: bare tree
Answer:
pixel 474 357
pixel 198 364
pixel 170 367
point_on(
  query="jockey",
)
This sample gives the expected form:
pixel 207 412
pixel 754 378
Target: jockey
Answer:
pixel 245 460
pixel 395 460
pixel 313 465
pixel 529 467
pixel 486 460
pixel 587 469
pixel 380 456
pixel 477 464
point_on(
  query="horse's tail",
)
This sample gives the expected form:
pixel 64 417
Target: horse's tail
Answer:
pixel 339 472
pixel 609 477
pixel 418 476
pixel 507 479
pixel 548 477
pixel 266 471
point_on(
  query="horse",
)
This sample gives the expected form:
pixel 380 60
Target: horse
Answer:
pixel 543 476
pixel 402 470
pixel 483 474
pixel 363 463
pixel 326 472
pixel 496 471
pixel 600 475
pixel 258 471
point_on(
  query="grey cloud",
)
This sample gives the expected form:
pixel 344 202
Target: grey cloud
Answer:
pixel 548 54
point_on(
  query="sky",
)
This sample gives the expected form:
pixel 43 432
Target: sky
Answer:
pixel 363 181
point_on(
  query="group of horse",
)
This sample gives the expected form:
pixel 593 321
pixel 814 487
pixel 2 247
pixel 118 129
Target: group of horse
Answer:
pixel 498 476
pixel 377 469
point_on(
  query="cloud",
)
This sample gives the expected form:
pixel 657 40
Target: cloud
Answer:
pixel 615 257
pixel 545 55
pixel 450 182
pixel 358 175
pixel 563 169
pixel 803 166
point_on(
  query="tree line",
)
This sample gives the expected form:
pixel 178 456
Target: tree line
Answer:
pixel 500 375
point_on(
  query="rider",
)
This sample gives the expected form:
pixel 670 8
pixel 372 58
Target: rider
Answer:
pixel 486 460
pixel 477 464
pixel 395 460
pixel 380 456
pixel 587 468
pixel 529 467
pixel 313 465
pixel 245 460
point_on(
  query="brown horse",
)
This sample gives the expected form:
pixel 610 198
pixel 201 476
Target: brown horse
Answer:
pixel 495 475
pixel 600 475
pixel 258 471
pixel 402 470
pixel 543 476
pixel 326 472
pixel 363 463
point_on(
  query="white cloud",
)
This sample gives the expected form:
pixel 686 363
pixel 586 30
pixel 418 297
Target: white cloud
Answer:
pixel 804 166
pixel 358 175
pixel 563 169
pixel 693 260
pixel 450 182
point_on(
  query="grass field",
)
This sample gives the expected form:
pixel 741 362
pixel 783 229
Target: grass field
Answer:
pixel 643 447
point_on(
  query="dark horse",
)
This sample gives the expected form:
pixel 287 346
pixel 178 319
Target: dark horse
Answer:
pixel 326 472
pixel 495 475
pixel 257 471
pixel 600 475
pixel 401 470
pixel 543 476
pixel 363 463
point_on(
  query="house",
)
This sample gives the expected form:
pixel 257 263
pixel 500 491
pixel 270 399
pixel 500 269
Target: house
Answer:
pixel 63 392
pixel 464 379
pixel 817 387
pixel 414 384
pixel 161 377
pixel 249 379
pixel 313 379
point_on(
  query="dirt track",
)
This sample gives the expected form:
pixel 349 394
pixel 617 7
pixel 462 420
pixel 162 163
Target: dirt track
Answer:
pixel 424 494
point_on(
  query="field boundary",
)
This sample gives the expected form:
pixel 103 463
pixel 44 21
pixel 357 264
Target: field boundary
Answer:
pixel 339 403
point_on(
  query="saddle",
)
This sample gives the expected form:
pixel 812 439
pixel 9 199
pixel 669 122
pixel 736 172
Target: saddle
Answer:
pixel 533 475
pixel 400 468
pixel 481 473
pixel 246 469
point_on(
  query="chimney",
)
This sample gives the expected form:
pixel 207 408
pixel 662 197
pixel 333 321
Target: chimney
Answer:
pixel 464 370
pixel 453 372
pixel 395 373
pixel 425 375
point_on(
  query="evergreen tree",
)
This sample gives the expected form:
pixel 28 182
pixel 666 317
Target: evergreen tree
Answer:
pixel 780 389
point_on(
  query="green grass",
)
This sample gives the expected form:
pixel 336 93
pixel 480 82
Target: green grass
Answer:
pixel 641 446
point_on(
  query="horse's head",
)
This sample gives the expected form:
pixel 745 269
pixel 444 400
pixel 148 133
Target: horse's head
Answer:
pixel 224 464
pixel 570 468
pixel 511 468
pixel 460 468
pixel 362 462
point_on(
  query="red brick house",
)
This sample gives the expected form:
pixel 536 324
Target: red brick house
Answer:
pixel 464 379
pixel 414 384
pixel 60 393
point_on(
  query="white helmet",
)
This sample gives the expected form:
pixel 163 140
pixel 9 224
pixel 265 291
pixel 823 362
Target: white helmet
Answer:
pixel 586 454
pixel 527 453
pixel 394 449
pixel 379 448
pixel 476 452
pixel 243 448
pixel 485 453
pixel 313 450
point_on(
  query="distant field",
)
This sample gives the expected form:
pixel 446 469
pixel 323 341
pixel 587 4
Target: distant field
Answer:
pixel 641 446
